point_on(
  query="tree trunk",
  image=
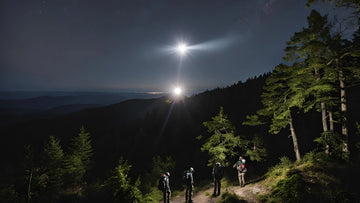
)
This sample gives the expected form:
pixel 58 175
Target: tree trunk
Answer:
pixel 29 187
pixel 295 142
pixel 323 117
pixel 344 130
pixel 323 107
pixel 331 120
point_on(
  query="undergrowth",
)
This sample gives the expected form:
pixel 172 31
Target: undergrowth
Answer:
pixel 316 178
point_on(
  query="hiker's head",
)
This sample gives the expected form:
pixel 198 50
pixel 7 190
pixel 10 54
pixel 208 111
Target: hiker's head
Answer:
pixel 240 158
pixel 191 169
pixel 218 164
pixel 167 173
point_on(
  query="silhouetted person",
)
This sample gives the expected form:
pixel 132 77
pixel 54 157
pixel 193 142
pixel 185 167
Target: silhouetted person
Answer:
pixel 240 166
pixel 166 190
pixel 217 174
pixel 189 181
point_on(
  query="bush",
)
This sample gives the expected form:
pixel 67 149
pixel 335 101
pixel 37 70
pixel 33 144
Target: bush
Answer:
pixel 334 144
pixel 291 189
pixel 280 169
pixel 230 198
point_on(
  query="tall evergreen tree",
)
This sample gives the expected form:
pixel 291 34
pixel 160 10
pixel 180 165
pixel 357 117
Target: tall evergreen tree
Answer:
pixel 79 159
pixel 309 47
pixel 53 163
pixel 281 98
pixel 223 141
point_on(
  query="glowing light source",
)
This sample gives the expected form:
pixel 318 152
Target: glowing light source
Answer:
pixel 182 48
pixel 177 91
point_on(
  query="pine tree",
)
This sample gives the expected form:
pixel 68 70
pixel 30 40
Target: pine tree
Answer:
pixel 283 95
pixel 53 164
pixel 309 48
pixel 223 142
pixel 121 187
pixel 78 162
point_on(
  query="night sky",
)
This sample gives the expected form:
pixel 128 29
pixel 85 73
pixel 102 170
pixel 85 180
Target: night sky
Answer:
pixel 122 45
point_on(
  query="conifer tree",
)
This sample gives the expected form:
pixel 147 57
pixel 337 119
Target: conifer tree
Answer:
pixel 283 95
pixel 223 142
pixel 53 163
pixel 79 159
pixel 121 187
pixel 309 48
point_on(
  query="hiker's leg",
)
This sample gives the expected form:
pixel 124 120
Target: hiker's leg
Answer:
pixel 191 188
pixel 168 196
pixel 239 176
pixel 219 186
pixel 242 180
pixel 214 187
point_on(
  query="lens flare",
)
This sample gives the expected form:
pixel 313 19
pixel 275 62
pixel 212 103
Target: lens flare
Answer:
pixel 182 48
pixel 177 91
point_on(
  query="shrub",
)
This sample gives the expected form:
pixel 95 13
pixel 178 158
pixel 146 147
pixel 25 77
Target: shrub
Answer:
pixel 230 198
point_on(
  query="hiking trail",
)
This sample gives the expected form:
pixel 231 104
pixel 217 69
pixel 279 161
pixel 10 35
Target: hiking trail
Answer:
pixel 247 193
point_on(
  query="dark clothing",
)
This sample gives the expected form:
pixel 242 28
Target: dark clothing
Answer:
pixel 189 186
pixel 217 174
pixel 217 187
pixel 189 192
pixel 167 191
pixel 167 195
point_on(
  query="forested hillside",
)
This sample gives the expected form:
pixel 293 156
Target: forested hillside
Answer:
pixel 304 114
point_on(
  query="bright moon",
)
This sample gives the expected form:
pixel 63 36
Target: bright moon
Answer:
pixel 177 91
pixel 181 48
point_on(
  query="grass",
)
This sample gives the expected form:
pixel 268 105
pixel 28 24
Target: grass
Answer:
pixel 227 197
pixel 316 178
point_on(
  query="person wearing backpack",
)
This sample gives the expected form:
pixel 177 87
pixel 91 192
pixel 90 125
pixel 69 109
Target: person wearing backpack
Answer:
pixel 164 186
pixel 240 166
pixel 217 174
pixel 189 181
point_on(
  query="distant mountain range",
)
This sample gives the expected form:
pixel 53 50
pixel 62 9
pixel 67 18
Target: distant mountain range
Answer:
pixel 21 106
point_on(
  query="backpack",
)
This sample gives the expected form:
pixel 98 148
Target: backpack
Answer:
pixel 186 176
pixel 241 167
pixel 218 172
pixel 161 184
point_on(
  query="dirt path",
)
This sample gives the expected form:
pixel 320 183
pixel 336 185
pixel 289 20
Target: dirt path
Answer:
pixel 248 193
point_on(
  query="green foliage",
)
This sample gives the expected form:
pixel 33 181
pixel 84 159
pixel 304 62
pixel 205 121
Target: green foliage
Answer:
pixel 121 187
pixel 160 165
pixel 78 161
pixel 316 178
pixel 9 194
pixel 333 143
pixel 227 197
pixel 290 189
pixel 223 142
pixel 257 152
pixel 53 163
pixel 81 147
pixel 279 171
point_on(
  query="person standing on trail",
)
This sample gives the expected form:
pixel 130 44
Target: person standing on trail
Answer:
pixel 240 166
pixel 164 184
pixel 189 181
pixel 217 174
